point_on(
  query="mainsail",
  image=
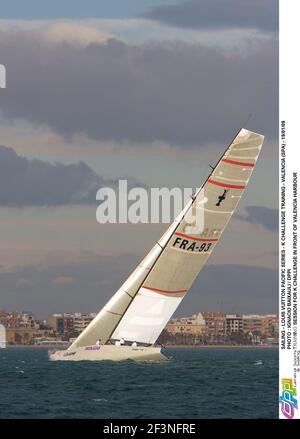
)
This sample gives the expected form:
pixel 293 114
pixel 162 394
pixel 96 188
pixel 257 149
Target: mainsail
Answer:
pixel 143 305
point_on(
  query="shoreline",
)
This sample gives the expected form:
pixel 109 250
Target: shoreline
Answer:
pixel 167 347
pixel 222 346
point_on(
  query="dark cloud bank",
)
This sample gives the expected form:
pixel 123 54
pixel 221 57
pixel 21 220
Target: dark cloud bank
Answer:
pixel 96 278
pixel 182 94
pixel 219 14
pixel 26 182
pixel 264 216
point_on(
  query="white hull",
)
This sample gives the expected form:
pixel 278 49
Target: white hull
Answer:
pixel 109 352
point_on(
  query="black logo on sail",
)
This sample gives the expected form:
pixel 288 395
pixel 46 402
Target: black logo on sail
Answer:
pixel 222 197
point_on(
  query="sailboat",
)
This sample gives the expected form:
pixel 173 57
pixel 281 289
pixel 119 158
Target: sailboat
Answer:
pixel 128 326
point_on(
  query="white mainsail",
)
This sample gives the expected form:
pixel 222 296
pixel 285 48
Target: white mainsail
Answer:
pixel 141 308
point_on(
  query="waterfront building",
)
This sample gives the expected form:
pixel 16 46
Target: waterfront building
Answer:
pixel 194 325
pixel 215 325
pixel 23 336
pixel 234 324
pixel 81 321
pixel 62 324
pixel 260 325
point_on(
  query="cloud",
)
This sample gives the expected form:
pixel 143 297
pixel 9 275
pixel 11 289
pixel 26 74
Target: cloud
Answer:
pixel 73 9
pixel 44 295
pixel 219 14
pixel 26 182
pixel 266 217
pixel 181 94
pixel 135 31
pixel 66 32
pixel 235 288
pixel 64 280
pixel 97 277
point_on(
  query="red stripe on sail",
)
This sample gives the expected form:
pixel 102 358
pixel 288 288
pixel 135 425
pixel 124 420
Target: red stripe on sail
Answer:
pixel 195 239
pixel 234 162
pixel 232 186
pixel 157 290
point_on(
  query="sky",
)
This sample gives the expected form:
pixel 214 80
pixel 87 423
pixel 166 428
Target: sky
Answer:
pixel 148 90
pixel 76 9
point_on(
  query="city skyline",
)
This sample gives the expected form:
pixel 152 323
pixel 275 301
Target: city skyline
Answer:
pixel 201 328
pixel 93 314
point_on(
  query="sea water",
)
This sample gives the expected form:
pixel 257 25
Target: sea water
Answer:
pixel 194 383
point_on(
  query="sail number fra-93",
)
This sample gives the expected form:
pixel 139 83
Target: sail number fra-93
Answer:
pixel 192 246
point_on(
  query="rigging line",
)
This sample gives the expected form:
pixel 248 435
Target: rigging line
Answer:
pixel 112 312
pixel 178 224
pixel 128 294
pixel 247 119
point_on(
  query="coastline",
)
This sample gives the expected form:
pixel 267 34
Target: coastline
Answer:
pixel 222 346
pixel 168 347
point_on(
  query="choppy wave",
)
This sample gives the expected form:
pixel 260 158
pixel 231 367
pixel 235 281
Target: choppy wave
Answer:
pixel 195 383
